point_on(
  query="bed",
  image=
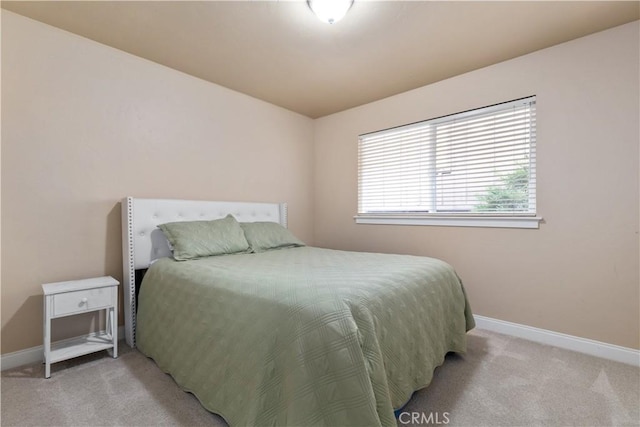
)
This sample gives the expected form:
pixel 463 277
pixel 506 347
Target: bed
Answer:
pixel 295 336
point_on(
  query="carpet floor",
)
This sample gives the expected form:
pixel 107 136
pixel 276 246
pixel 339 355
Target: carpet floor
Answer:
pixel 500 381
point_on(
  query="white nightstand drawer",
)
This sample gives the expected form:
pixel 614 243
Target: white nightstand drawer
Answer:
pixel 79 301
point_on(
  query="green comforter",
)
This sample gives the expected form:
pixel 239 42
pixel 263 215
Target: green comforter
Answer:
pixel 302 336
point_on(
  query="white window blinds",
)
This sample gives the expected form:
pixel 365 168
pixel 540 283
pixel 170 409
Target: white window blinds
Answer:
pixel 480 163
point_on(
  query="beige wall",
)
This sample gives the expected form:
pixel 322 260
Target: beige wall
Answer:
pixel 577 274
pixel 84 125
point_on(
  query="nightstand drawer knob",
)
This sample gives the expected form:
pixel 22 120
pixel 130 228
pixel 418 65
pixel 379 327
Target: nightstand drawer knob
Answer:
pixel 83 301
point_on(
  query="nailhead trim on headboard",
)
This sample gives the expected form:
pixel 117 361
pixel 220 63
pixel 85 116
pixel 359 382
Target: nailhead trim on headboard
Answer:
pixel 129 273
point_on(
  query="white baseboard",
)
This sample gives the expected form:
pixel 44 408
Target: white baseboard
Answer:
pixel 33 354
pixel 556 339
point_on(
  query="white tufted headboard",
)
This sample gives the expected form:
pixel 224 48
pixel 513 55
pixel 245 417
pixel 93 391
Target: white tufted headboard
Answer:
pixel 142 240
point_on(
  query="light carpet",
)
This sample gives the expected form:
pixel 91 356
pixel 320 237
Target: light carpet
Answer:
pixel 500 381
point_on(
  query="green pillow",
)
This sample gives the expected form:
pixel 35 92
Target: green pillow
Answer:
pixel 197 239
pixel 263 236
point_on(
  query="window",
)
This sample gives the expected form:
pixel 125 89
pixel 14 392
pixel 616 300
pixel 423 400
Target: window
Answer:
pixel 475 168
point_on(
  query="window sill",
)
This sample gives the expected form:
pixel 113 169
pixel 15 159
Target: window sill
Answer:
pixel 452 221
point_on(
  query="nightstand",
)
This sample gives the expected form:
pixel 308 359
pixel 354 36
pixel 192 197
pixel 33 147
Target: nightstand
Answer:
pixel 75 297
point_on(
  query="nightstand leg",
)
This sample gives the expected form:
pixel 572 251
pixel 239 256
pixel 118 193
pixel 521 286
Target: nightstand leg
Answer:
pixel 113 320
pixel 47 340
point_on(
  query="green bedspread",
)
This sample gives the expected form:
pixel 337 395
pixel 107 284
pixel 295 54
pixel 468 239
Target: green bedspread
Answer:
pixel 302 336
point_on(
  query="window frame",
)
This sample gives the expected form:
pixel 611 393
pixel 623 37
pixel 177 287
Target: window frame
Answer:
pixel 528 220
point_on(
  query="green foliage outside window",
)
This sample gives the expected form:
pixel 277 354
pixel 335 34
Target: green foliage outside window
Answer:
pixel 511 195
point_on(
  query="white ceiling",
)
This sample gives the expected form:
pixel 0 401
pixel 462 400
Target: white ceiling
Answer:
pixel 279 52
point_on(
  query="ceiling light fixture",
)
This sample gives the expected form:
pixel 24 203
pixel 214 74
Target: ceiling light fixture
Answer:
pixel 330 11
